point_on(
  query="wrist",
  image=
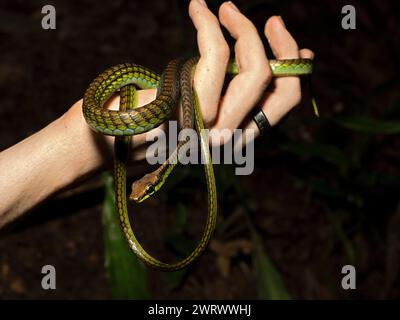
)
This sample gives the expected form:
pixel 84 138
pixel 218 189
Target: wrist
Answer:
pixel 94 151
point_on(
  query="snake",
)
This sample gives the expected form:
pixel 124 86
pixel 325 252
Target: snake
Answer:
pixel 174 86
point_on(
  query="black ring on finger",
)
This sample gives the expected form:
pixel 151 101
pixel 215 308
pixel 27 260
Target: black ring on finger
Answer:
pixel 261 121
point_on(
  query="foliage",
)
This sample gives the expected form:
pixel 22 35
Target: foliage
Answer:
pixel 126 274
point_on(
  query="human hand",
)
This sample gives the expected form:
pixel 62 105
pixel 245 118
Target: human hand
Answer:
pixel 251 88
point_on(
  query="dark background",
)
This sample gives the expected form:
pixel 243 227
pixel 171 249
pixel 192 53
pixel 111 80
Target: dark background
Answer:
pixel 324 193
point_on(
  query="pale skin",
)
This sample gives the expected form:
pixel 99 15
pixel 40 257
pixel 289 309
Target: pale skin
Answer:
pixel 67 150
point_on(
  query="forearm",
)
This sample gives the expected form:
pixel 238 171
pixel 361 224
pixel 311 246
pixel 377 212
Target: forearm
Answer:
pixel 53 158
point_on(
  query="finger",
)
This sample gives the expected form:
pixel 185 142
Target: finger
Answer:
pixel 287 91
pixel 306 54
pixel 281 41
pixel 254 71
pixel 214 57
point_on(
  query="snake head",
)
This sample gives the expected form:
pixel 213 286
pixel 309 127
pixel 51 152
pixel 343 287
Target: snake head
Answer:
pixel 143 188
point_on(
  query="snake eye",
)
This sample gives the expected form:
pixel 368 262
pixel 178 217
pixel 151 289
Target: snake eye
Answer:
pixel 150 189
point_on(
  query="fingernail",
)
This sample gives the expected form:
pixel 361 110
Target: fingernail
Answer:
pixel 283 23
pixel 233 6
pixel 202 2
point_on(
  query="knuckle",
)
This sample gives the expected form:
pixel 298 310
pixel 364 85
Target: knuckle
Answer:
pixel 296 98
pixel 208 122
pixel 219 51
pixel 291 90
pixel 264 74
pixel 209 119
pixel 222 51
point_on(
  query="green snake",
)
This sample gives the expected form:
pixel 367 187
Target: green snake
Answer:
pixel 175 85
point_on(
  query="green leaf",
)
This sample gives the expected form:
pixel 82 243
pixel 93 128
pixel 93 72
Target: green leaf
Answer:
pixel 327 152
pixel 341 234
pixel 270 284
pixel 126 273
pixel 225 177
pixel 368 125
pixel 181 244
pixel 374 178
pixel 182 217
pixel 323 188
pixel 175 237
pixel 175 279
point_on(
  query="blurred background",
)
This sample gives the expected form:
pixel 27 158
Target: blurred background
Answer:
pixel 324 193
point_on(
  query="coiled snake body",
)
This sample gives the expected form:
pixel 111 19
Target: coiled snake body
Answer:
pixel 175 83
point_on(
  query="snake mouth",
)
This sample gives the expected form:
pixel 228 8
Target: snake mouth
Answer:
pixel 136 199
